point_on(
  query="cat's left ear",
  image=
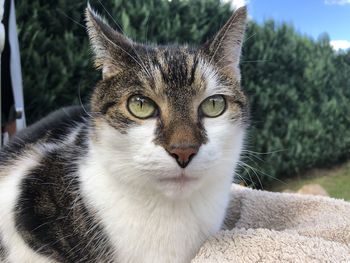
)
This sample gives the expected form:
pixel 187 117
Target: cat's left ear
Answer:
pixel 225 48
pixel 110 47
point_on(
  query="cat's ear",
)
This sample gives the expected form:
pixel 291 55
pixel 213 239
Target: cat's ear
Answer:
pixel 225 47
pixel 110 47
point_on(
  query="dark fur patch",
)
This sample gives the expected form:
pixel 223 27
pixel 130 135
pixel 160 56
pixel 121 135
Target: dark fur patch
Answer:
pixel 51 215
pixel 3 252
pixel 53 127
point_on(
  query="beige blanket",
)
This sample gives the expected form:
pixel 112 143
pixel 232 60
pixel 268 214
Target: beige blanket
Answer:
pixel 280 227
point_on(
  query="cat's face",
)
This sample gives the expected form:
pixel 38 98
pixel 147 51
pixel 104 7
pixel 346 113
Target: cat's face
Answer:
pixel 170 119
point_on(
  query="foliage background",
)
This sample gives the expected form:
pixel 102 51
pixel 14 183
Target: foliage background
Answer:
pixel 299 88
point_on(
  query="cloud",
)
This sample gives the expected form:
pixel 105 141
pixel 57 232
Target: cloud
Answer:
pixel 337 2
pixel 340 44
pixel 237 3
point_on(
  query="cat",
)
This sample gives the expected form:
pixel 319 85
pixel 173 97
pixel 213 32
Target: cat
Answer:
pixel 144 174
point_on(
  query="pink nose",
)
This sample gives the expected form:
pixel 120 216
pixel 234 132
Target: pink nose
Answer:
pixel 183 154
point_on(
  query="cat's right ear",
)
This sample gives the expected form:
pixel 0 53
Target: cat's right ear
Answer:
pixel 110 47
pixel 225 47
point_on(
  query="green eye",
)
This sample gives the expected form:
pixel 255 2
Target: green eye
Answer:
pixel 141 107
pixel 213 106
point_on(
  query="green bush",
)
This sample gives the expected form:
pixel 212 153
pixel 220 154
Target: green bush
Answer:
pixel 299 88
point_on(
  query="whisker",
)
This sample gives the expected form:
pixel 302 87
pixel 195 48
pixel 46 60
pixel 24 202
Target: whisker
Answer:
pixel 257 176
pixel 74 21
pixel 138 62
pixel 241 177
pixel 270 176
pixel 81 102
pixel 242 164
pixel 109 14
pixel 250 155
pixel 263 153
pixel 252 35
pixel 220 42
pixel 255 61
pixel 143 66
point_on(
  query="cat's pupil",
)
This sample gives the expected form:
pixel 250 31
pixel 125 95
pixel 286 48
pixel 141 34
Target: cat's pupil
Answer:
pixel 141 103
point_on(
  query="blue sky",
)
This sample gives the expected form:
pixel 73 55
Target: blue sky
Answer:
pixel 310 17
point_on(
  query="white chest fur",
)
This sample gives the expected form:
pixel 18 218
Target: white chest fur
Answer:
pixel 148 227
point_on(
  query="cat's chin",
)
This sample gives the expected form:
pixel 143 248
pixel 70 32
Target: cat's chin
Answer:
pixel 180 186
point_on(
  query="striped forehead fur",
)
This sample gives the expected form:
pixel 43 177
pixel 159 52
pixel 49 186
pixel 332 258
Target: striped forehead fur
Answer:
pixel 104 39
pixel 196 72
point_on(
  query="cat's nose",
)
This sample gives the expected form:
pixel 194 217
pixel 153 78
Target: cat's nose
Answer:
pixel 183 154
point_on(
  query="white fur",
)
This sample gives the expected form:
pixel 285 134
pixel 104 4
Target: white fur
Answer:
pixel 152 221
pixel 213 86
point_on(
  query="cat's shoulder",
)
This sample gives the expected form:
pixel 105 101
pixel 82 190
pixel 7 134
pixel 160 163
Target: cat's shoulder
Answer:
pixel 54 126
pixel 54 129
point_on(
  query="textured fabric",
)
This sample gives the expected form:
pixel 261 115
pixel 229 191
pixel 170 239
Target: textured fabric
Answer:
pixel 280 227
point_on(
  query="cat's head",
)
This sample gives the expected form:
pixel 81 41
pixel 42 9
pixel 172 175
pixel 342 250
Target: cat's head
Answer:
pixel 168 118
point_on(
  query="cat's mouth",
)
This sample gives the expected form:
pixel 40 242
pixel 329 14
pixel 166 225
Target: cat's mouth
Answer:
pixel 180 179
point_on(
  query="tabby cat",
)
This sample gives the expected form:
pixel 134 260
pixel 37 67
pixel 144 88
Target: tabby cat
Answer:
pixel 144 175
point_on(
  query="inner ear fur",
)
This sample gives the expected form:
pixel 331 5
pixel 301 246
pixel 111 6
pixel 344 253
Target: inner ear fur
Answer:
pixel 225 47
